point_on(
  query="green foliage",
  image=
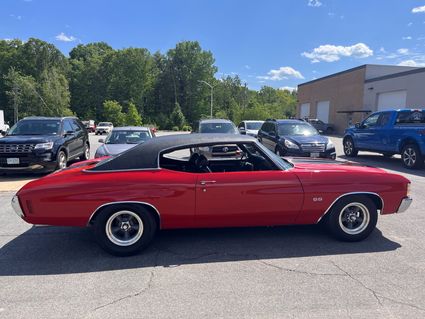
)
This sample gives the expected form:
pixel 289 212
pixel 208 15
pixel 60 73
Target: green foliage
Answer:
pixel 164 88
pixel 175 128
pixel 112 112
pixel 132 117
pixel 186 128
pixel 177 118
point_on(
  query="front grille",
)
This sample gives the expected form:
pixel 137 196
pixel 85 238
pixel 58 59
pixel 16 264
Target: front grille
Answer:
pixel 16 148
pixel 313 147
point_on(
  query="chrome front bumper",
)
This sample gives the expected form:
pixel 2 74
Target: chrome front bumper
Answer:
pixel 17 207
pixel 404 205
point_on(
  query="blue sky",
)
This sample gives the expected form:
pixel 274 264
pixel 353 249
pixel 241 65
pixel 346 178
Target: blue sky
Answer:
pixel 280 43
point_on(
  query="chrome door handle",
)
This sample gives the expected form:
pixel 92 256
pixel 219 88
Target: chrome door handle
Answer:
pixel 207 182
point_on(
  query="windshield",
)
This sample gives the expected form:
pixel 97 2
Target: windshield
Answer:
pixel 253 125
pixel 217 128
pixel 36 127
pixel 127 137
pixel 104 124
pixel 290 129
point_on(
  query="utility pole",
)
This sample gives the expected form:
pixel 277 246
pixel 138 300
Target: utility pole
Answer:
pixel 211 87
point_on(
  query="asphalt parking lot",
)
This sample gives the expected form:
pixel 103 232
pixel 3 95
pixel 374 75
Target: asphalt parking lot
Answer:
pixel 279 272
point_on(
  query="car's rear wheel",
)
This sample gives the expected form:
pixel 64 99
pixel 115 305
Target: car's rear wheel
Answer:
pixel 349 149
pixel 411 156
pixel 61 160
pixel 352 218
pixel 86 154
pixel 124 230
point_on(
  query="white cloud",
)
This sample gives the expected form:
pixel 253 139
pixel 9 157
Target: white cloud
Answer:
pixel 247 67
pixel 332 53
pixel 65 38
pixel 407 38
pixel 284 72
pixel 288 88
pixel 15 16
pixel 411 62
pixel 403 51
pixel 418 9
pixel 410 24
pixel 314 3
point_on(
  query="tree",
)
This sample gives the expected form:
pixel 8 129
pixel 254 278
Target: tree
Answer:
pixel 177 118
pixel 112 112
pixel 133 117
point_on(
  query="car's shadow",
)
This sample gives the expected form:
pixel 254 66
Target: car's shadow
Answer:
pixel 393 163
pixel 58 250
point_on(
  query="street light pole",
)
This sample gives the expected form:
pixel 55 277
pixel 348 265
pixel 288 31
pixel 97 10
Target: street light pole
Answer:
pixel 211 87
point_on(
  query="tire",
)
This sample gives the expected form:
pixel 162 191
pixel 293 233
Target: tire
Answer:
pixel 349 149
pixel 279 152
pixel 411 156
pixel 352 218
pixel 61 160
pixel 86 154
pixel 115 229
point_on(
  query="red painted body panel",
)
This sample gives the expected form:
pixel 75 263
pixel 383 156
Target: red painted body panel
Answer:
pixel 300 195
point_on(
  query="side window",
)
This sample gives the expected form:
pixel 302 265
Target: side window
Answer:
pixel 384 119
pixel 371 121
pixel 409 118
pixel 264 127
pixel 67 127
pixel 75 126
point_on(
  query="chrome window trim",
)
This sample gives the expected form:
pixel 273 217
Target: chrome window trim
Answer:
pixel 348 194
pixel 125 202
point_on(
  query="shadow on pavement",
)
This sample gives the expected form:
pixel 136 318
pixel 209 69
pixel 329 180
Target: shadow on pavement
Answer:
pixel 46 250
pixel 393 163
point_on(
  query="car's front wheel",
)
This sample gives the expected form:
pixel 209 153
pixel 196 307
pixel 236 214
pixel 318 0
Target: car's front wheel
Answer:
pixel 352 218
pixel 61 160
pixel 124 230
pixel 411 156
pixel 349 149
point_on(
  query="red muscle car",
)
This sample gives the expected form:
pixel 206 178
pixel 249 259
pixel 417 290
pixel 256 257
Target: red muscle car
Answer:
pixel 160 184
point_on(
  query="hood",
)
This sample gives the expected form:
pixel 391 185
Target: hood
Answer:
pixel 29 139
pixel 114 149
pixel 252 132
pixel 311 164
pixel 301 139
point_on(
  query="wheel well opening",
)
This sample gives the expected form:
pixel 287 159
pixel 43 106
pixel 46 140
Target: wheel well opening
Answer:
pixel 406 142
pixel 149 208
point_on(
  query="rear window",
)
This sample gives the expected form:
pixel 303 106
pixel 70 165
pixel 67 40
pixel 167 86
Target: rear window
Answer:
pixel 217 128
pixel 410 118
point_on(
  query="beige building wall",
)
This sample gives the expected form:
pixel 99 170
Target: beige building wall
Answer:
pixel 343 90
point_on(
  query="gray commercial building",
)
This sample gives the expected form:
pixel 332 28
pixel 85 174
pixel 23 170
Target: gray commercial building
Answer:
pixel 347 97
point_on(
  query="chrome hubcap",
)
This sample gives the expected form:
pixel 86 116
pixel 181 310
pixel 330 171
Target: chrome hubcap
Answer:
pixel 409 156
pixel 354 218
pixel 62 160
pixel 124 228
pixel 87 153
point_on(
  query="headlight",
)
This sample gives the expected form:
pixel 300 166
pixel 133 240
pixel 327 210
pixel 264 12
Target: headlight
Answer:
pixel 290 144
pixel 330 145
pixel 45 146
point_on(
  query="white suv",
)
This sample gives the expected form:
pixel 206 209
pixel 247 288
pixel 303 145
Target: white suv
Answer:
pixel 104 127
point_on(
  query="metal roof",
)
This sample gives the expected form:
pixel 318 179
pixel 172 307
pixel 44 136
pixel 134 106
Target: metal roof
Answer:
pixel 131 128
pixel 145 156
pixel 215 121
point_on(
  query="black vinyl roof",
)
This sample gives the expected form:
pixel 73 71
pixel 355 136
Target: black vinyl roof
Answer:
pixel 145 155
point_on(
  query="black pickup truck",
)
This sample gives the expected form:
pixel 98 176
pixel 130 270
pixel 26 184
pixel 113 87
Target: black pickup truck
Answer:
pixel 43 144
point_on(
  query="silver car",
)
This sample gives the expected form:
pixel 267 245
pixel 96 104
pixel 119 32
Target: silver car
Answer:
pixel 122 139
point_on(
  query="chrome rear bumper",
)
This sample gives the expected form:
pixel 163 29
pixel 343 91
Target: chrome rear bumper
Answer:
pixel 404 205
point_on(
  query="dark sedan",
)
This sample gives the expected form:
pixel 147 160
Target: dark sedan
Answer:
pixel 295 138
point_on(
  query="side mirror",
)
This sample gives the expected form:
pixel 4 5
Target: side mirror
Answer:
pixel 101 140
pixel 272 133
pixel 242 130
pixel 358 125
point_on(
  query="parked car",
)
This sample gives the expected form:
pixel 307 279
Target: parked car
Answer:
pixel 250 127
pixel 122 139
pixel 295 138
pixel 128 198
pixel 104 128
pixel 219 126
pixel 43 144
pixel 4 127
pixel 321 126
pixel 90 126
pixel 390 132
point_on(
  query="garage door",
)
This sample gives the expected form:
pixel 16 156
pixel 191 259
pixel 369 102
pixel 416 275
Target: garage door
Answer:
pixel 323 111
pixel 305 110
pixel 392 100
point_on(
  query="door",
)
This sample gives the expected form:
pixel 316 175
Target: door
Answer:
pixel 254 198
pixel 365 137
pixel 323 111
pixel 70 141
pixel 305 110
pixel 79 137
pixel 392 100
